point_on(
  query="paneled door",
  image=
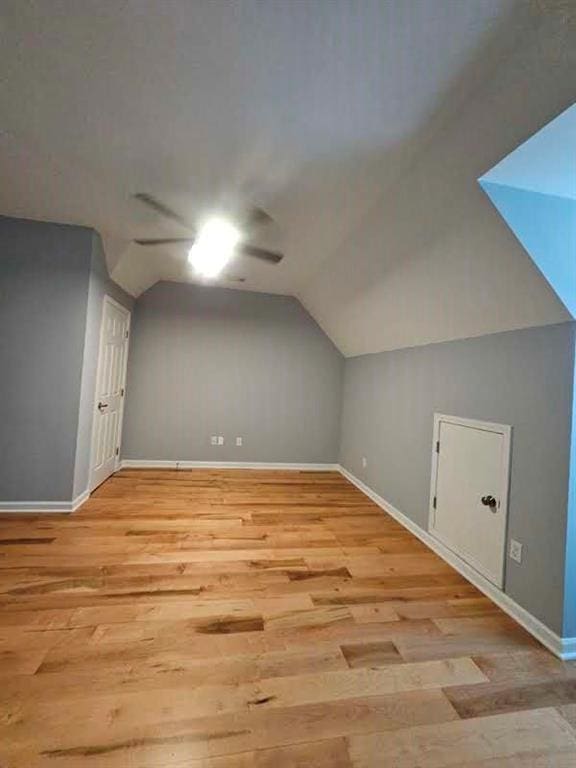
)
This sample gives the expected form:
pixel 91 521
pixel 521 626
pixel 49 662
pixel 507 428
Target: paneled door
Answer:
pixel 110 390
pixel 468 510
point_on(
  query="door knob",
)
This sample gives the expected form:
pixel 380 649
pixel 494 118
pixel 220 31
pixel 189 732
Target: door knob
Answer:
pixel 102 406
pixel 489 501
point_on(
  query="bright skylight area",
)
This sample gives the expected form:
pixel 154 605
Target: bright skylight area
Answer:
pixel 534 190
pixel 546 163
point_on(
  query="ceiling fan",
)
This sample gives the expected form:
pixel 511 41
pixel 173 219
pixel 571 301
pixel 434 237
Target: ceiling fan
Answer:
pixel 256 217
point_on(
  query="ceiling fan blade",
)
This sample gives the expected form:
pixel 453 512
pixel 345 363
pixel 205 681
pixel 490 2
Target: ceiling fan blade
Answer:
pixel 247 250
pixel 165 241
pixel 160 208
pixel 257 217
pixel 261 253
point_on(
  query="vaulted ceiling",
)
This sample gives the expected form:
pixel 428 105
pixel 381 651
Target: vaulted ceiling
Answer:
pixel 361 127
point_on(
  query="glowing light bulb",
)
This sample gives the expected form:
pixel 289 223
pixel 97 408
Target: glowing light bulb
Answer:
pixel 214 247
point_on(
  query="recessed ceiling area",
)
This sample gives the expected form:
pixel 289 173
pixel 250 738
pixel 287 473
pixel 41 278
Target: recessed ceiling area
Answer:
pixel 303 108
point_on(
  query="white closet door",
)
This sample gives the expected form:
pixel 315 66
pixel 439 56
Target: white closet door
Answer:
pixel 469 505
pixel 110 388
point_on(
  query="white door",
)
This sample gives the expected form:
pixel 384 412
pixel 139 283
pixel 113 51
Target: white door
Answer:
pixel 468 510
pixel 110 388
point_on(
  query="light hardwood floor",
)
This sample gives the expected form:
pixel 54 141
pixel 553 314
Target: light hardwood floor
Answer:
pixel 227 619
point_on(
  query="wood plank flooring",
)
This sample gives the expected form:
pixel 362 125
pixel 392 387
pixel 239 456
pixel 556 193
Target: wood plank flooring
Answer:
pixel 235 619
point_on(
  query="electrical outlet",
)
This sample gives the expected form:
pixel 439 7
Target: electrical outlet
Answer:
pixel 214 440
pixel 238 441
pixel 364 462
pixel 516 550
pixel 220 440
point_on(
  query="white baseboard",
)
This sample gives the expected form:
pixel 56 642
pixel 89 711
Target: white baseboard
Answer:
pixel 563 647
pixel 80 499
pixel 43 507
pixel 151 464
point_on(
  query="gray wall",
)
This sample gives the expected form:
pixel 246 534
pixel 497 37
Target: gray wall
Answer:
pixel 100 285
pixel 53 278
pixel 522 378
pixel 44 280
pixel 213 361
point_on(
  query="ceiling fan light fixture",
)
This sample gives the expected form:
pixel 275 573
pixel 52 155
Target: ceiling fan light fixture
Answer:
pixel 214 247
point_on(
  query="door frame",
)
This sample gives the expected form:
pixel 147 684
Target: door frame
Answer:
pixel 502 429
pixel 108 300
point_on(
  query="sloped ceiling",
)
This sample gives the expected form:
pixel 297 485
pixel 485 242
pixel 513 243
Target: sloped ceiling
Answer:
pixel 433 260
pixel 360 126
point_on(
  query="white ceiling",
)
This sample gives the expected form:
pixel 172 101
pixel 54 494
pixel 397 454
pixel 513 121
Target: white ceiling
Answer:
pixel 305 107
pixel 320 111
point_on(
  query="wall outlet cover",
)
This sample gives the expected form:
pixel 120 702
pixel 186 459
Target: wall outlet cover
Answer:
pixel 214 440
pixel 364 462
pixel 220 440
pixel 515 550
pixel 238 441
